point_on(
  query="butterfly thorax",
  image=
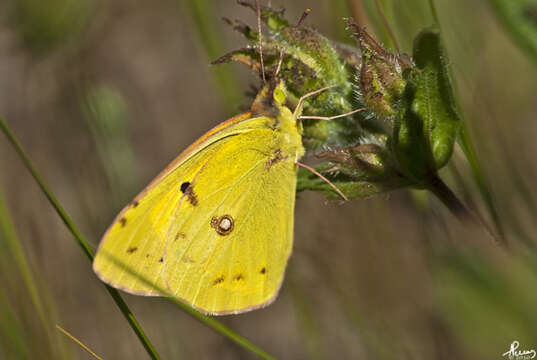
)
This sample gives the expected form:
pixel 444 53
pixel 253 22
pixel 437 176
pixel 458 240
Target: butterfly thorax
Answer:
pixel 270 103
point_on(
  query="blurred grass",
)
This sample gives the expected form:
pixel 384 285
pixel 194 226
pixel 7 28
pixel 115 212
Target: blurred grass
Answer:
pixel 83 244
pixel 47 26
pixel 14 342
pixel 78 342
pixel 483 304
pixel 105 112
pixel 377 279
pixel 15 262
pixel 204 16
pixel 520 20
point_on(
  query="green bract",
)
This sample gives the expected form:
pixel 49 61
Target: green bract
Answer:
pixel 408 127
pixel 426 125
pixel 309 61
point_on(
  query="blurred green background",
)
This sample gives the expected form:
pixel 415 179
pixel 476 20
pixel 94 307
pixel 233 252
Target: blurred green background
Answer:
pixel 103 94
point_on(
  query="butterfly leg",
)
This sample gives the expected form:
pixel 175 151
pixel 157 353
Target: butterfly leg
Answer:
pixel 307 167
pixel 331 117
pixel 304 97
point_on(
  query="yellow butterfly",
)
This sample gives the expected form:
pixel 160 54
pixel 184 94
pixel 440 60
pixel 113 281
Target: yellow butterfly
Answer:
pixel 215 228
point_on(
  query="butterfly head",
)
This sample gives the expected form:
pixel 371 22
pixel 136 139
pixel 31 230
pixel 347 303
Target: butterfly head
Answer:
pixel 270 101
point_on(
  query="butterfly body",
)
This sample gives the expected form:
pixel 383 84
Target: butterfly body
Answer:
pixel 215 228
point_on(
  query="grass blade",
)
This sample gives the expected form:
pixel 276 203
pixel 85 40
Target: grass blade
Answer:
pixel 79 239
pixel 519 18
pixel 208 321
pixel 80 343
pixel 465 142
pixel 38 296
pixel 201 12
pixel 468 149
pixel 8 230
pixel 13 340
pixel 213 324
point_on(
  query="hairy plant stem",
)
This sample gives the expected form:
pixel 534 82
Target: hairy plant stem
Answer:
pixel 439 188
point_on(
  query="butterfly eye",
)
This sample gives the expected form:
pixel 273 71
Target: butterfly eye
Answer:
pixel 223 225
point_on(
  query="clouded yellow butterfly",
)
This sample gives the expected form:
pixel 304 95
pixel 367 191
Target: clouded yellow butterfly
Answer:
pixel 215 228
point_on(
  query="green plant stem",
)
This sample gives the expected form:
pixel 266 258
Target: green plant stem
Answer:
pixel 439 188
pixel 465 143
pixel 434 13
pixel 7 229
pixel 213 324
pixel 79 239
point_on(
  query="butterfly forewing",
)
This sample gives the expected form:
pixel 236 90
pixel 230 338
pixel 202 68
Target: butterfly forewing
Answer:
pixel 130 256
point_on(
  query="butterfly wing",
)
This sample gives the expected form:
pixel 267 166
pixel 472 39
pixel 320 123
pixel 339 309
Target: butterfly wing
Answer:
pixel 216 228
pixel 227 252
pixel 137 236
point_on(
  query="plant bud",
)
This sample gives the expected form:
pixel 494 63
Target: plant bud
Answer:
pixel 381 74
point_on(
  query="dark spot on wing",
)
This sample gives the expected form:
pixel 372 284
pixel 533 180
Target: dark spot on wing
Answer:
pixel 238 277
pixel 263 270
pixel 123 221
pixel 132 249
pixel 184 186
pixel 161 259
pixel 180 235
pixel 218 280
pixel 188 190
pixel 223 225
pixel 135 203
pixel 277 157
pixel 146 255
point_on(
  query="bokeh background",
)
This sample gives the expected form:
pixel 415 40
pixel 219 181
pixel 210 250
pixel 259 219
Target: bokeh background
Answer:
pixel 103 94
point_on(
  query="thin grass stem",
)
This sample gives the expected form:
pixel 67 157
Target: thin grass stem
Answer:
pixel 439 188
pixel 80 343
pixel 213 324
pixel 78 237
pixel 434 13
pixel 208 321
pixel 203 14
pixel 467 147
pixel 7 229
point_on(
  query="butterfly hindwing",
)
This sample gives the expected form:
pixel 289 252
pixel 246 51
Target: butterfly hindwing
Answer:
pixel 228 251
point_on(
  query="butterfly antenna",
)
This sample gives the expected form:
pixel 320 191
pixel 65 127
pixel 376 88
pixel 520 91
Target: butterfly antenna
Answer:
pixel 307 167
pixel 303 17
pixel 387 26
pixel 260 36
pixel 332 117
pixel 304 97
